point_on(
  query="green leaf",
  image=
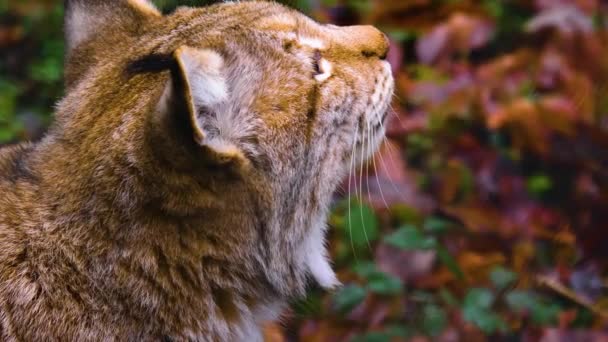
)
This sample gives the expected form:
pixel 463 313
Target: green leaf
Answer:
pixel 476 309
pixel 423 72
pixel 387 335
pixel 448 260
pixel 304 6
pixel 361 225
pixel 329 3
pixel 519 301
pixel 434 320
pixel 494 7
pixel 400 34
pixel 8 99
pixel 378 281
pixel 48 70
pixel 410 238
pixel 360 6
pixel 417 142
pixel 404 213
pixel 545 313
pixel 373 337
pixel 365 269
pixel 525 301
pixel 348 297
pixel 479 298
pixel 502 277
pixel 399 331
pixel 309 306
pixel 528 89
pixel 6 134
pixel 539 184
pixel 489 322
pixel 448 297
pixel 385 284
pixel 437 225
pixel 467 181
pixel 584 319
pixel 9 129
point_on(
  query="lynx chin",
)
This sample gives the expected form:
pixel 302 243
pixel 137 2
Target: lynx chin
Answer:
pixel 181 193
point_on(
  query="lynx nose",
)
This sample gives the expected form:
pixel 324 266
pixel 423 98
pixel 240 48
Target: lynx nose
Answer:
pixel 373 43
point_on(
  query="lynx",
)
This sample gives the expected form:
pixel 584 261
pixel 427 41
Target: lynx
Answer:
pixel 181 193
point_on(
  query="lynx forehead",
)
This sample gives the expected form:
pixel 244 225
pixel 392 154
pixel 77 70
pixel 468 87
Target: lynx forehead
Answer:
pixel 183 190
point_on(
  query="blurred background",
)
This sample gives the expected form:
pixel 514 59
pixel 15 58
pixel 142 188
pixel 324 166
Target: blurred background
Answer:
pixel 484 215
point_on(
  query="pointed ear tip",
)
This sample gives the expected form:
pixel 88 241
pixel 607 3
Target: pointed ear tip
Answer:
pixel 203 56
pixel 225 157
pixel 233 153
pixel 145 7
pixel 225 152
pixel 84 19
pixel 142 6
pixel 233 157
pixel 180 51
pixel 199 136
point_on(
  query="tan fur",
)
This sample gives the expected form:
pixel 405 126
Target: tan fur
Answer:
pixel 185 202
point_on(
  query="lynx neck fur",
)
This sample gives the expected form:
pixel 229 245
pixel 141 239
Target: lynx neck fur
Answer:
pixel 182 192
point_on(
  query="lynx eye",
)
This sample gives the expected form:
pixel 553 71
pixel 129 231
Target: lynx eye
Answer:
pixel 317 62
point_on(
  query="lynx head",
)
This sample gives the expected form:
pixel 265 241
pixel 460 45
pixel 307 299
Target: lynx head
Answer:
pixel 246 107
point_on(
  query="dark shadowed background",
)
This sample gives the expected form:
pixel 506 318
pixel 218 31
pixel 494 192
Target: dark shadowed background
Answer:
pixel 485 214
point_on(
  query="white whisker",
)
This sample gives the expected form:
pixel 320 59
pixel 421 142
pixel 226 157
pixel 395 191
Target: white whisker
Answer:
pixel 376 174
pixel 349 199
pixel 364 131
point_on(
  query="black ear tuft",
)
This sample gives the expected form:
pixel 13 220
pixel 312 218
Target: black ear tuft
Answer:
pixel 152 63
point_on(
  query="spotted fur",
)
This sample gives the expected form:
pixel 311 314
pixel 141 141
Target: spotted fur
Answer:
pixel 182 192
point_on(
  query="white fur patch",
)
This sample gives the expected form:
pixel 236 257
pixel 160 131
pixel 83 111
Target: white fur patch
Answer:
pixel 145 7
pixel 317 261
pixel 309 42
pixel 81 24
pixel 313 43
pixel 326 70
pixel 223 147
pixel 203 71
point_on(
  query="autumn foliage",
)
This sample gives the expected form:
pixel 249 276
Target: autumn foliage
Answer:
pixel 485 214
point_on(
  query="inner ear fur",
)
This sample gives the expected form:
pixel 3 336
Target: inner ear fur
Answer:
pixel 191 105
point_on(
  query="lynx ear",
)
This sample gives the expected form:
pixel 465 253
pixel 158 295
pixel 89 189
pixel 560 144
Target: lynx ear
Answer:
pixel 86 18
pixel 199 91
pixel 201 72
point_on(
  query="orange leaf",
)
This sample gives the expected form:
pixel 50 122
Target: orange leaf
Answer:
pixel 273 333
